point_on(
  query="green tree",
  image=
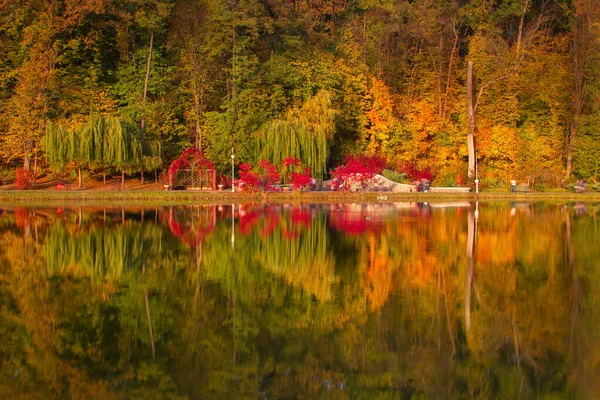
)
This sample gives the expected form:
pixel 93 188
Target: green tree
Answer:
pixel 303 134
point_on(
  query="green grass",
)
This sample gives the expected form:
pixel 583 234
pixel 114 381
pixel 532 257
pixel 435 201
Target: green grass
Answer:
pixel 139 197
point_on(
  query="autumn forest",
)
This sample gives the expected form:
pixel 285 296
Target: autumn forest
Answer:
pixel 314 79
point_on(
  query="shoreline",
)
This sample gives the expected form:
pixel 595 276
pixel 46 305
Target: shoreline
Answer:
pixel 186 197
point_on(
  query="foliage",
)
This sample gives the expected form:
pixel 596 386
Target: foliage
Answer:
pixel 262 177
pixel 356 171
pixel 301 180
pixel 303 134
pixel 190 157
pixel 24 178
pixel 294 173
pixel 313 80
pixel 416 174
pixel 394 175
pixel 249 179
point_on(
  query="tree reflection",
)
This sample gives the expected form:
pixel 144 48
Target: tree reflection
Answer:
pixel 348 301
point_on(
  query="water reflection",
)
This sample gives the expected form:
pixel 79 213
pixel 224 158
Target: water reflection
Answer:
pixel 438 300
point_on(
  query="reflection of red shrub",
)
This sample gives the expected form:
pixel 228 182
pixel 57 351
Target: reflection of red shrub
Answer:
pixel 301 217
pixel 271 222
pixel 175 228
pixel 192 235
pixel 353 222
pixel 22 218
pixel 290 234
pixel 350 226
pixel 247 221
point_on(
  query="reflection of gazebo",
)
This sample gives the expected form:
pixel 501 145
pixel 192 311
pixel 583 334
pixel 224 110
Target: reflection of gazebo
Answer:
pixel 192 171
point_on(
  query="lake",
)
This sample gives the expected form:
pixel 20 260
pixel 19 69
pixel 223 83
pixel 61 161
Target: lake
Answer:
pixel 308 301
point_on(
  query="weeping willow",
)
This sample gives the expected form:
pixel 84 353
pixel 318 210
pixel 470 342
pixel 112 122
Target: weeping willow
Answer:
pixel 304 134
pixel 92 139
pixel 59 145
pixel 102 143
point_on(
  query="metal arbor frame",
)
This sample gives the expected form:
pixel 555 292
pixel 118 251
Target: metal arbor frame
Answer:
pixel 196 177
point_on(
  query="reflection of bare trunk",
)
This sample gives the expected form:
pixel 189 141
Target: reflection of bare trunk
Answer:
pixel 437 308
pixel 448 322
pixel 198 290
pixel 472 227
pixel 576 289
pixel 516 339
pixel 149 323
pixel 148 311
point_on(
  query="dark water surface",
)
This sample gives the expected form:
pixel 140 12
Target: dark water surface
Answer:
pixel 360 301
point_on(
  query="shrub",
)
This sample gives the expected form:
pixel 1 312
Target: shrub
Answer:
pixel 356 171
pixel 249 179
pixel 416 174
pixel 394 176
pixel 24 178
pixel 268 174
pixel 301 180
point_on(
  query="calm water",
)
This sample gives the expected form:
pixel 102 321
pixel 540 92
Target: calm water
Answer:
pixel 378 301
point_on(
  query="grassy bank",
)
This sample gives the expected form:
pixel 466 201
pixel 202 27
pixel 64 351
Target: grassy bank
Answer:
pixel 154 197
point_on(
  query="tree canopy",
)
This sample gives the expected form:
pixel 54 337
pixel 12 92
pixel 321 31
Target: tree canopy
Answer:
pixel 214 75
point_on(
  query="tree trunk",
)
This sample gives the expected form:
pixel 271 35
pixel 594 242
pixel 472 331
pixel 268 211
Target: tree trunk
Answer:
pixel 198 96
pixel 471 111
pixel 579 55
pixel 146 85
pixel 570 141
pixel 79 176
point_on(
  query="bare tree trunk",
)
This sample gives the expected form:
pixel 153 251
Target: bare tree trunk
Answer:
pixel 471 111
pixel 143 124
pixel 450 64
pixel 569 151
pixel 578 100
pixel 520 34
pixel 198 103
pixel 146 85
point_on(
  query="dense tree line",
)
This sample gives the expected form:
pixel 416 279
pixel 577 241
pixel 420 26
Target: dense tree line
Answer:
pixel 385 77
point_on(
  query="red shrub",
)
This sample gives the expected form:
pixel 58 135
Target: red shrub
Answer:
pixel 301 180
pixel 356 171
pixel 24 178
pixel 269 174
pixel 264 177
pixel 416 174
pixel 290 162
